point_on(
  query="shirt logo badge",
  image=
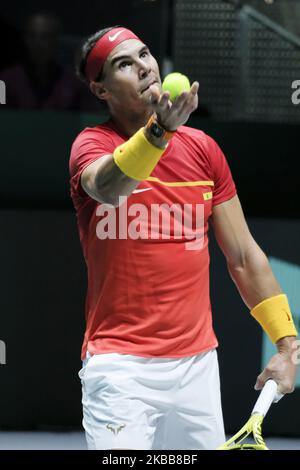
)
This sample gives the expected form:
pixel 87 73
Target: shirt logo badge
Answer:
pixel 207 196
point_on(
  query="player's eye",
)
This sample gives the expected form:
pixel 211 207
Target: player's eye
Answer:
pixel 123 64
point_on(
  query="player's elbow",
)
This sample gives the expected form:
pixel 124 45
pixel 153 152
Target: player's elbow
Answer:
pixel 251 261
pixel 105 193
pixel 106 196
pixel 110 199
pixel 98 192
pixel 251 256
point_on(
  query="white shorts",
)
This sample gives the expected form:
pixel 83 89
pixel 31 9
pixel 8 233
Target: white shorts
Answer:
pixel 132 402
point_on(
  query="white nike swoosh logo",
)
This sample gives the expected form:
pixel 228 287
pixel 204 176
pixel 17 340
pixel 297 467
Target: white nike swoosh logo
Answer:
pixel 140 190
pixel 112 38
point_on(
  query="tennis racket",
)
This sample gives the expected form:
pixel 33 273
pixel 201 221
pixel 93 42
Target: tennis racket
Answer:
pixel 268 395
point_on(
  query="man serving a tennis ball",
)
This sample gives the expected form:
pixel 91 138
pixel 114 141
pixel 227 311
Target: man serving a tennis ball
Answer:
pixel 145 187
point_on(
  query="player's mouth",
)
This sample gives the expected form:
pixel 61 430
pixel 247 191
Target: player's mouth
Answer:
pixel 149 85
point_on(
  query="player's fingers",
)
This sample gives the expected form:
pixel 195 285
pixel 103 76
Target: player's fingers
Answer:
pixel 155 95
pixel 187 101
pixel 164 100
pixel 187 104
pixel 194 88
pixel 179 101
pixel 259 385
pixel 261 380
pixel 192 97
pixel 285 387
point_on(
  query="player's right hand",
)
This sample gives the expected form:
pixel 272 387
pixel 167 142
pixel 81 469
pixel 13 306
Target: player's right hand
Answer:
pixel 282 367
pixel 172 115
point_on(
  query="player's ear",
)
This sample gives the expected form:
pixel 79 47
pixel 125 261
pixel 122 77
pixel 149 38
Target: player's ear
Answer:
pixel 99 90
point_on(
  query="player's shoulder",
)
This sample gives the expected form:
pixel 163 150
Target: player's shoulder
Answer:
pixel 191 131
pixel 198 136
pixel 93 133
pixel 88 141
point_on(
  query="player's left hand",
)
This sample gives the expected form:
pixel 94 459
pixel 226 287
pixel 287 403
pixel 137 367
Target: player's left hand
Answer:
pixel 282 367
pixel 172 115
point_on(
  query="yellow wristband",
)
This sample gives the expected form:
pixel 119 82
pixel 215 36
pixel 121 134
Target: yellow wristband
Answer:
pixel 275 317
pixel 137 157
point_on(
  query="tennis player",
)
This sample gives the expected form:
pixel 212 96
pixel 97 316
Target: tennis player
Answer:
pixel 145 187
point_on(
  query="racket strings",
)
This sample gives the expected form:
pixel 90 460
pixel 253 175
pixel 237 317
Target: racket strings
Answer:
pixel 257 430
pixel 241 437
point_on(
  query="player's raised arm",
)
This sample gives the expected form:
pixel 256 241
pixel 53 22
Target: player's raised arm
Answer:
pixel 119 173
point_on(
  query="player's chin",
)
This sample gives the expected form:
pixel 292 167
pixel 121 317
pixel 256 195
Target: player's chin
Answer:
pixel 145 97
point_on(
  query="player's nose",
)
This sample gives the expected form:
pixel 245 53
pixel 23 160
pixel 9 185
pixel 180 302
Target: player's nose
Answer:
pixel 144 69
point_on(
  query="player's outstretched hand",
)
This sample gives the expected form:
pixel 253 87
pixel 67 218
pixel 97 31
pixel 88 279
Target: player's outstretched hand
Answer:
pixel 172 115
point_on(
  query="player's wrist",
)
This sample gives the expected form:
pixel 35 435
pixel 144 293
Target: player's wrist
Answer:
pixel 275 317
pixel 157 141
pixel 156 133
pixel 137 157
pixel 167 127
pixel 286 344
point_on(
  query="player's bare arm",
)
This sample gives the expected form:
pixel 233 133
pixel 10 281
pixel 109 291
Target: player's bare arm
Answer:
pixel 101 178
pixel 253 276
pixel 247 263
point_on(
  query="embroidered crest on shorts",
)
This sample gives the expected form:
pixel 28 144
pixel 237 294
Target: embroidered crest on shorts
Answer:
pixel 115 429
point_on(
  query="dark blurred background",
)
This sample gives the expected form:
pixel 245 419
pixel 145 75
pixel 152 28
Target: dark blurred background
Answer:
pixel 246 56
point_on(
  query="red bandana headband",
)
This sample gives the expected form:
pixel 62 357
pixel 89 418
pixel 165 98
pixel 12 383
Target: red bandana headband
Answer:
pixel 103 48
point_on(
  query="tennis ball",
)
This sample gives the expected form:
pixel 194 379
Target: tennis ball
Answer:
pixel 176 83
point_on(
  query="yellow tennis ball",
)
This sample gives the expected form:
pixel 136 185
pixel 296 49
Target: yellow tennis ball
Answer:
pixel 176 83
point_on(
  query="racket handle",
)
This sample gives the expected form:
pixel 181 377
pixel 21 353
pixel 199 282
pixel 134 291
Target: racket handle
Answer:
pixel 268 395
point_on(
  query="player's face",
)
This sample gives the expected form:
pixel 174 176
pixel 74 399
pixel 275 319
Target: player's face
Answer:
pixel 128 72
